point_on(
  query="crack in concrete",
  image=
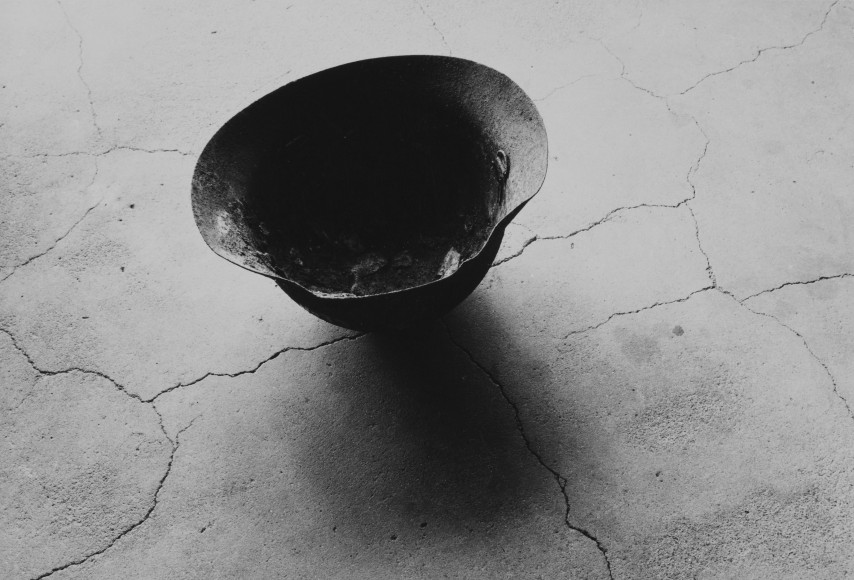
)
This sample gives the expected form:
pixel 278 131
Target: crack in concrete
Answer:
pixel 784 284
pixel 121 388
pixel 518 253
pixel 608 217
pixel 761 51
pixel 561 480
pixel 639 7
pixel 152 400
pixel 80 67
pixel 741 302
pixel 562 87
pixel 98 153
pixel 63 236
pixel 52 246
pixel 51 373
pixel 696 167
pixel 835 386
pixel 175 444
pixel 23 400
pixel 435 26
pixel 257 366
pixel 709 270
pixel 691 172
pixel 525 244
pixel 650 307
pixel 624 76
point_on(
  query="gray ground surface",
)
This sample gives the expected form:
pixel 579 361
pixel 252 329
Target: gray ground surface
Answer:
pixel 655 380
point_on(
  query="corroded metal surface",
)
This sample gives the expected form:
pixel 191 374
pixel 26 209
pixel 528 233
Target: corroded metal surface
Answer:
pixel 375 193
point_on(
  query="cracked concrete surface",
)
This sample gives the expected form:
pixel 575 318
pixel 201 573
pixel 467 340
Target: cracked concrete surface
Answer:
pixel 822 314
pixel 133 271
pixel 83 462
pixel 778 173
pixel 58 190
pixel 655 380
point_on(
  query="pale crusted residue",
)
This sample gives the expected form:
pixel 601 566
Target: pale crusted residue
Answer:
pixel 450 264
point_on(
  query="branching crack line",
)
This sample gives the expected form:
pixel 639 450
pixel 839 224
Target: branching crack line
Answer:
pixel 80 67
pixel 63 236
pixel 435 26
pixel 806 346
pixel 152 400
pixel 257 366
pixel 691 172
pixel 608 217
pixel 626 313
pixel 761 51
pixel 51 373
pixel 175 444
pixel 625 77
pixel 819 279
pixel 742 301
pixel 518 252
pixel 561 480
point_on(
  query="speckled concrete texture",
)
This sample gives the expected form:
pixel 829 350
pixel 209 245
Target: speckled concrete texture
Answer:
pixel 655 379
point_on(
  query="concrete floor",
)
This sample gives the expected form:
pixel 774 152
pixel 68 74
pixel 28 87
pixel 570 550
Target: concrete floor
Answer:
pixel 656 379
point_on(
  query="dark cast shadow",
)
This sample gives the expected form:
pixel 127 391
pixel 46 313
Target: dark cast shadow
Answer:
pixel 415 440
